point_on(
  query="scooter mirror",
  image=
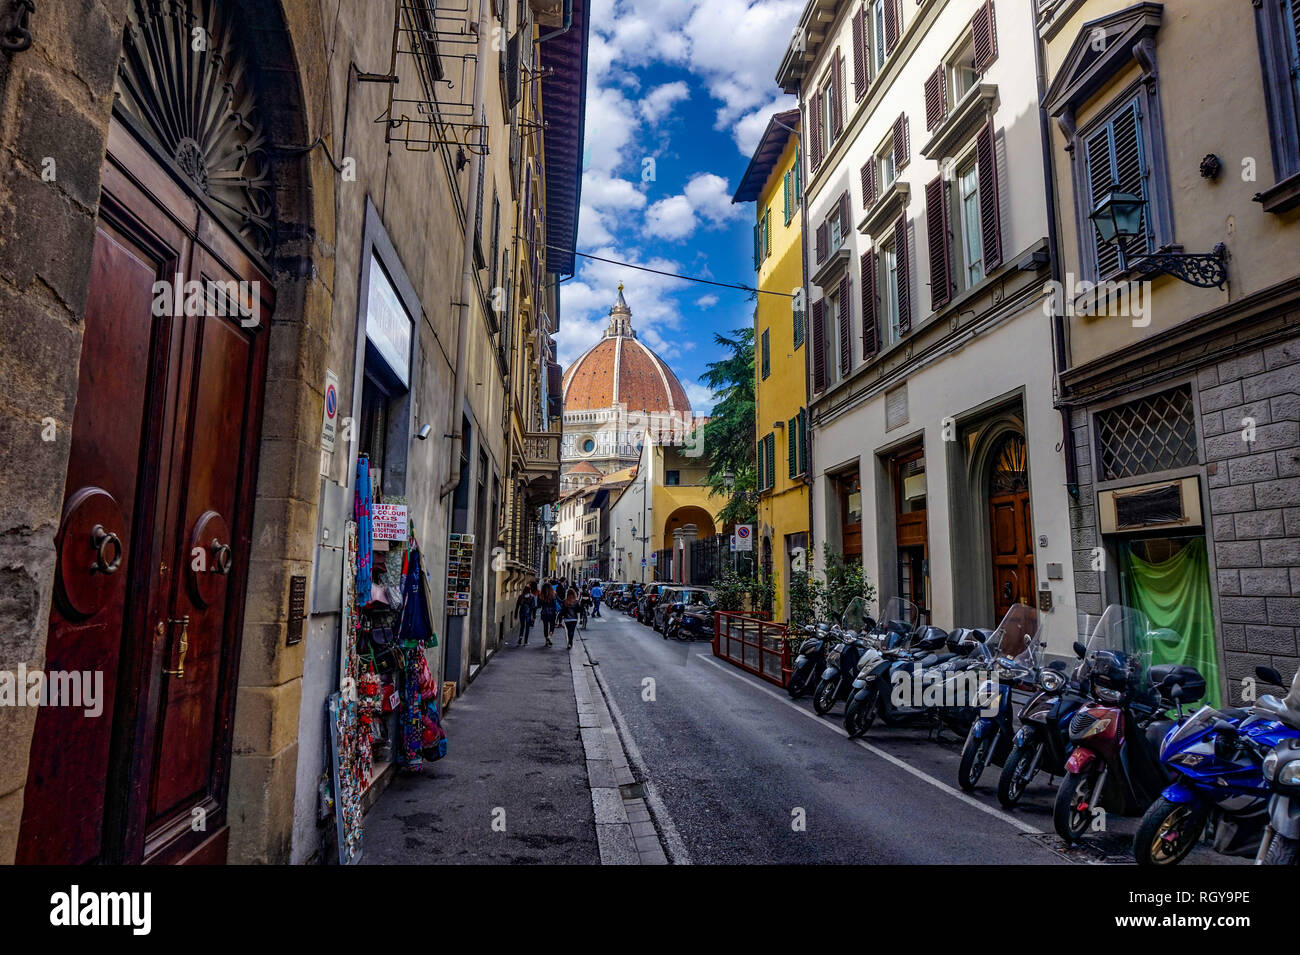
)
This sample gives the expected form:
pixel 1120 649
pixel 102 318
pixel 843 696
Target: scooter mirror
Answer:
pixel 1079 649
pixel 1269 675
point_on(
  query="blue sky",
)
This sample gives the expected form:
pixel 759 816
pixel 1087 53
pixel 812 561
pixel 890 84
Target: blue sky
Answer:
pixel 688 85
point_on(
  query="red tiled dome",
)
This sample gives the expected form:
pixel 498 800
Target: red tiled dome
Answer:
pixel 620 370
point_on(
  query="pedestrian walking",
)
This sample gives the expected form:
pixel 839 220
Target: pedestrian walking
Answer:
pixel 596 593
pixel 526 611
pixel 548 608
pixel 569 613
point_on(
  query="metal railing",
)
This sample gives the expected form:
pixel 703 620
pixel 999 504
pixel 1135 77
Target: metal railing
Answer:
pixel 753 643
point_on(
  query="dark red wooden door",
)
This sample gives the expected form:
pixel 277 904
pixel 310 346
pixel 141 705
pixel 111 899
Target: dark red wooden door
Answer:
pixel 154 541
pixel 1013 552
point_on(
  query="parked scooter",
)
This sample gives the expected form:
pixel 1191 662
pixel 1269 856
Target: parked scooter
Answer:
pixel 1016 654
pixel 1280 844
pixel 1043 741
pixel 1217 759
pixel 843 657
pixel 1115 736
pixel 811 661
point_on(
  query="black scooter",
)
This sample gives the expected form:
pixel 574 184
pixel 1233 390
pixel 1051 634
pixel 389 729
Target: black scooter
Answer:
pixel 841 664
pixel 812 658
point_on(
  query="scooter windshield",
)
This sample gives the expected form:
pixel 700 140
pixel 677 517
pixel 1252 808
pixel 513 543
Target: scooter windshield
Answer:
pixel 855 617
pixel 901 610
pixel 1016 637
pixel 1119 649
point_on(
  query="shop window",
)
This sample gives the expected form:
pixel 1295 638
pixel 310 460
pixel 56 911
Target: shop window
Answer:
pixel 849 489
pixel 673 478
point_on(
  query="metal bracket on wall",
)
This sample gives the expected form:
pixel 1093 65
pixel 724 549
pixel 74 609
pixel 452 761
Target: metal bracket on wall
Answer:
pixel 17 35
pixel 1204 270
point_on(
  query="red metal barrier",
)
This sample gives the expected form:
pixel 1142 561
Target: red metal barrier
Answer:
pixel 753 643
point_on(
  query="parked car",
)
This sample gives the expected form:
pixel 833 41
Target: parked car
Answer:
pixel 673 599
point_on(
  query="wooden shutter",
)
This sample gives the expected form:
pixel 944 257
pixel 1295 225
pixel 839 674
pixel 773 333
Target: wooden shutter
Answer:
pixel 990 225
pixel 859 53
pixel 771 460
pixel 792 445
pixel 846 320
pixel 767 233
pixel 936 214
pixel 892 17
pixel 870 314
pixel 767 352
pixel 936 98
pixel 759 456
pixel 985 34
pixel 785 195
pixel 869 183
pixel 758 258
pixel 845 212
pixel 904 276
pixel 902 142
pixel 815 129
pixel 1130 167
pixel 819 344
pixel 821 243
pixel 837 92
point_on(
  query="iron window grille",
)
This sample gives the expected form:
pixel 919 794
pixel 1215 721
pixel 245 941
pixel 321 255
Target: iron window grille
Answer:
pixel 1146 436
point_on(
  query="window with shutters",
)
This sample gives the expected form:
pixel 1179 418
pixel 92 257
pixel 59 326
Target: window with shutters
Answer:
pixel 967 216
pixel 792 446
pixel 888 298
pixel 787 195
pixel 765 356
pixel 831 117
pixel 879 36
pixel 799 318
pixel 1114 156
pixel 1278 32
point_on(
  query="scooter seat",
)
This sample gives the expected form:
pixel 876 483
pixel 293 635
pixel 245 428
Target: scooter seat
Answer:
pixel 943 658
pixel 1156 732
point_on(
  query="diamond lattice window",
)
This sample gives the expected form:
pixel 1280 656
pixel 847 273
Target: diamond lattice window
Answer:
pixel 1157 433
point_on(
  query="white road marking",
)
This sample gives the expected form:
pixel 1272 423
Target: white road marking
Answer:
pixel 676 848
pixel 888 757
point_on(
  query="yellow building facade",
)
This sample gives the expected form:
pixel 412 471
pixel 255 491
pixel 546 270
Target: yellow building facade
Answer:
pixel 773 182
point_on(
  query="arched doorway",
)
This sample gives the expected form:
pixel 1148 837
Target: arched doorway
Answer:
pixel 155 539
pixel 1010 524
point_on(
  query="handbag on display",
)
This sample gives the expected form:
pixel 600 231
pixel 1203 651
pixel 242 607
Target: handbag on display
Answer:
pixel 428 686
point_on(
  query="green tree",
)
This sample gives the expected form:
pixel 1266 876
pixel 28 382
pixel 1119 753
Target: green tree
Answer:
pixel 729 437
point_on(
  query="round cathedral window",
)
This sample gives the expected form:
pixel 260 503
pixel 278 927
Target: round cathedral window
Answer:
pixel 588 445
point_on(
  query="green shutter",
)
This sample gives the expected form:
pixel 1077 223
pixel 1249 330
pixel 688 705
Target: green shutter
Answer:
pixel 759 462
pixel 767 233
pixel 771 460
pixel 792 444
pixel 785 191
pixel 767 353
pixel 757 244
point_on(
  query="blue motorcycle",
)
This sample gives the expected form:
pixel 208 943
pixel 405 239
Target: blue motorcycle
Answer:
pixel 1217 759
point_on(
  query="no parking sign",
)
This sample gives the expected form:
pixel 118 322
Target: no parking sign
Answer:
pixel 744 537
pixel 329 426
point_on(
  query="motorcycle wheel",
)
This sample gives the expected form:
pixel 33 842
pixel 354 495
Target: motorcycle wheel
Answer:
pixel 1168 831
pixel 1283 851
pixel 824 698
pixel 682 634
pixel 973 760
pixel 1014 778
pixel 859 715
pixel 1069 821
pixel 798 684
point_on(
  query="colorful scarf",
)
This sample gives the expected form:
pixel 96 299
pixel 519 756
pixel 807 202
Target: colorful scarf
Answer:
pixel 365 531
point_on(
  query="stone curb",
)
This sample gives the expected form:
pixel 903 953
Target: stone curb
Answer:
pixel 624 830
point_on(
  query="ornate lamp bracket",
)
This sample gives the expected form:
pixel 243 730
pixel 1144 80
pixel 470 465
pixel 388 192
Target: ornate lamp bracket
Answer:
pixel 1204 270
pixel 16 34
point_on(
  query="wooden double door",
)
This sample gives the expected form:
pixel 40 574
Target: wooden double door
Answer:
pixel 1011 527
pixel 153 546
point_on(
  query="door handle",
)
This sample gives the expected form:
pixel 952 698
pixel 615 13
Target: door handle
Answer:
pixel 223 557
pixel 182 647
pixel 105 543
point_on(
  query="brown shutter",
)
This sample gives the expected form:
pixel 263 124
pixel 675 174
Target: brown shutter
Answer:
pixel 902 142
pixel 837 90
pixel 985 34
pixel 990 224
pixel 936 99
pixel 859 53
pixel 821 242
pixel 815 128
pixel 869 183
pixel 904 276
pixel 819 344
pixel 846 320
pixel 891 25
pixel 936 214
pixel 870 315
pixel 845 212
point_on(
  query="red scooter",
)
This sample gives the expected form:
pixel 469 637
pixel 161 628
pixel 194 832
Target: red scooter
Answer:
pixel 1115 737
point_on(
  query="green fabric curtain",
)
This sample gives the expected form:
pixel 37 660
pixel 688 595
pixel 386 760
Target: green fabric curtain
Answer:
pixel 1175 594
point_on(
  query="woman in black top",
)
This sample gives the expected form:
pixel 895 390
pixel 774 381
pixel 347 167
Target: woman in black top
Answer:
pixel 569 613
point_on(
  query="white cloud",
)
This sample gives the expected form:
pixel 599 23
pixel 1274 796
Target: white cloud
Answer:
pixel 671 218
pixel 657 105
pixel 702 398
pixel 706 301
pixel 705 200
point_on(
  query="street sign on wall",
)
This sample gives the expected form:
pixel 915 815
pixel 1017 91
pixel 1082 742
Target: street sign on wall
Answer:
pixel 744 537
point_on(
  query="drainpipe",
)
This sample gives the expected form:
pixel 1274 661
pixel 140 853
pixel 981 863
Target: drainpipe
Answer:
pixel 1053 251
pixel 467 282
pixel 568 22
